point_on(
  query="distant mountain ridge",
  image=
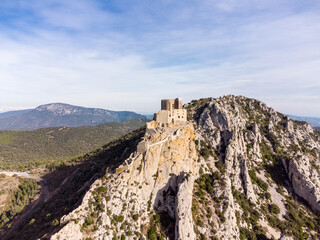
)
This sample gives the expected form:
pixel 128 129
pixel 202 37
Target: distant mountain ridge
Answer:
pixel 61 114
pixel 314 122
pixel 13 113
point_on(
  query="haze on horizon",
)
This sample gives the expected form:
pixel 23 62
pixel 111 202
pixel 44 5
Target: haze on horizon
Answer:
pixel 127 55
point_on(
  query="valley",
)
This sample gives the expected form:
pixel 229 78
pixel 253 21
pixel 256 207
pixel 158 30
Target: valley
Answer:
pixel 43 149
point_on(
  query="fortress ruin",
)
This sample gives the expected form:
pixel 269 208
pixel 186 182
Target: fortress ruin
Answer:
pixel 170 114
pixel 171 111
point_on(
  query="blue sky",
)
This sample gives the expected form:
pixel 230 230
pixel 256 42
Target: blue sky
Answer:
pixel 128 55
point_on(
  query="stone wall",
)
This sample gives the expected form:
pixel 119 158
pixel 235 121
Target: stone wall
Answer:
pixel 163 116
pixel 179 115
pixel 171 111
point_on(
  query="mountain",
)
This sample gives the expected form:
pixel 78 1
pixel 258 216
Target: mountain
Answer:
pixel 13 113
pixel 25 150
pixel 237 170
pixel 314 122
pixel 60 114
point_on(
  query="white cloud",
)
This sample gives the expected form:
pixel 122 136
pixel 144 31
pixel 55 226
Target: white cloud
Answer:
pixel 131 57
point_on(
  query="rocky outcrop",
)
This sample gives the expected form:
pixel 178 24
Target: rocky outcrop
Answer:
pixel 157 181
pixel 305 181
pixel 70 231
pixel 184 221
pixel 258 151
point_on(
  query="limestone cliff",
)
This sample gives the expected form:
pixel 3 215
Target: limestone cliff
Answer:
pixel 157 182
pixel 264 161
pixel 237 170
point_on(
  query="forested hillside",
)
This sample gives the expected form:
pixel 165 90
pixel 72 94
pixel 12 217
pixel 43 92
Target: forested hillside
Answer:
pixel 22 150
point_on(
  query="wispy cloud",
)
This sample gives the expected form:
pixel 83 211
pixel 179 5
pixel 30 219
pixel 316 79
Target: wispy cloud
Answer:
pixel 102 54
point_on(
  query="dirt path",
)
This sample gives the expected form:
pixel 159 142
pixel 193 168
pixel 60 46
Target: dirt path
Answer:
pixel 31 208
pixel 21 174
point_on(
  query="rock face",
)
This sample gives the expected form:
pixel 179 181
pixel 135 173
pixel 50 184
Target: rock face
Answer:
pixel 156 182
pixel 236 170
pixel 261 151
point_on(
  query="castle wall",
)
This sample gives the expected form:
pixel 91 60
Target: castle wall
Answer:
pixel 163 116
pixel 180 115
pixel 142 146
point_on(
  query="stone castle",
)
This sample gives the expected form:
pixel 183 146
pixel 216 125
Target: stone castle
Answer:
pixel 171 111
pixel 171 114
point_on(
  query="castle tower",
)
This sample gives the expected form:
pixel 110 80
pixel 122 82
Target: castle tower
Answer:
pixel 167 104
pixel 178 103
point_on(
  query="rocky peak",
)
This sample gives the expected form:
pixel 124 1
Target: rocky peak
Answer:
pixel 59 108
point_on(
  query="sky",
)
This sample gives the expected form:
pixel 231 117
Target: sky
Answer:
pixel 128 55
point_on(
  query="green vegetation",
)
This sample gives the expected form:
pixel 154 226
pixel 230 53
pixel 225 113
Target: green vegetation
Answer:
pixel 161 226
pixel 88 221
pixel 25 150
pixel 55 222
pixel 199 105
pixel 273 208
pixel 135 217
pixel 273 163
pixel 251 216
pixel 119 218
pixel 27 189
pixel 206 150
pixel 205 202
pixel 7 137
pixel 296 220
pixel 205 182
pixel 258 181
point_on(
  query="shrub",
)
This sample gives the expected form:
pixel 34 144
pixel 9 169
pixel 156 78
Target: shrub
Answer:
pixel 101 189
pixel 55 222
pixel 268 195
pixel 151 234
pixel 120 218
pixel 205 150
pixel 258 181
pixel 135 217
pixel 273 208
pixel 88 221
pixel 32 221
pixel 157 218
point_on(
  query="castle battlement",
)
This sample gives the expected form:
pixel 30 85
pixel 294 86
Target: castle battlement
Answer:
pixel 171 111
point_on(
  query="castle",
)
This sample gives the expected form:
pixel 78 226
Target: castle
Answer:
pixel 171 111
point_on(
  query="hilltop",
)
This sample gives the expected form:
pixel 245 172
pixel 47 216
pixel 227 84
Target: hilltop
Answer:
pixel 236 170
pixel 61 115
